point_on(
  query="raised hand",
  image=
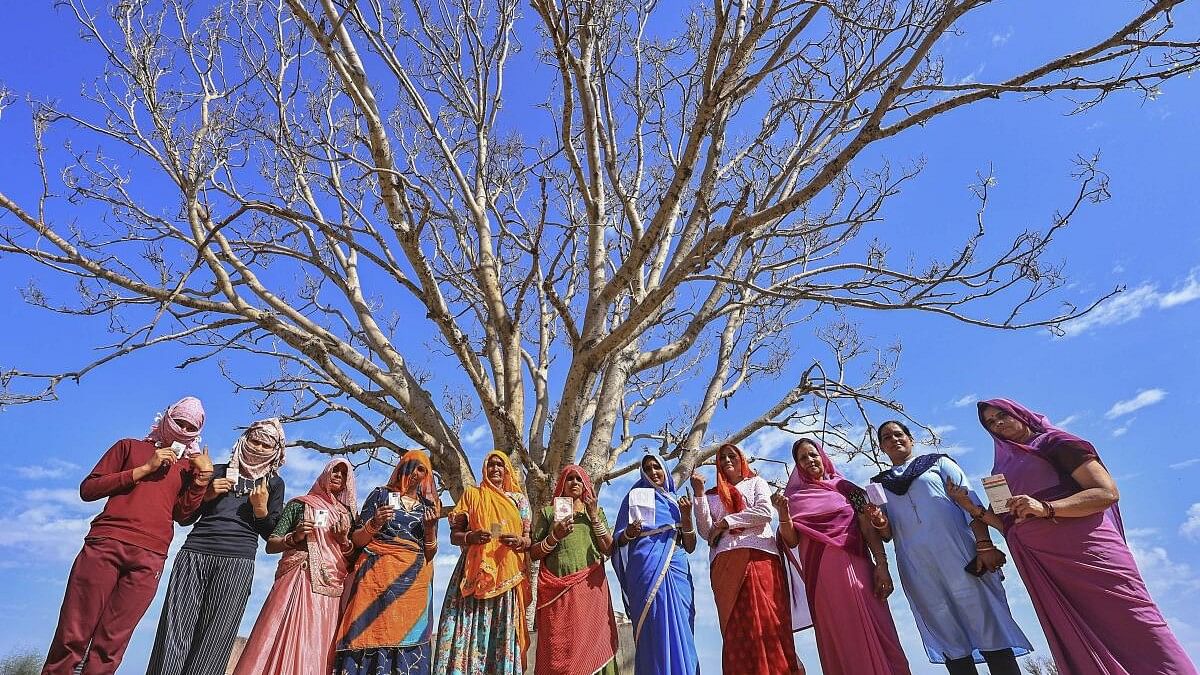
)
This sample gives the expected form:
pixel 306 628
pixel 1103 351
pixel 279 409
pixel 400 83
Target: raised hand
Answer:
pixel 203 463
pixel 258 498
pixel 562 528
pixel 383 516
pixel 697 482
pixel 634 530
pixel 161 457
pixel 217 488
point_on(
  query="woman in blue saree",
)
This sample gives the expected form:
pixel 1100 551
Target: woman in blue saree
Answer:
pixel 656 581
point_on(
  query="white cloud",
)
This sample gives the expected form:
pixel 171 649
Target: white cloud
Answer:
pixel 53 468
pixel 1164 576
pixel 46 524
pixel 1146 397
pixel 942 429
pixel 474 436
pixel 1123 429
pixel 1001 39
pixel 1185 463
pixel 1068 421
pixel 1187 292
pixel 1191 527
pixel 964 401
pixel 1132 303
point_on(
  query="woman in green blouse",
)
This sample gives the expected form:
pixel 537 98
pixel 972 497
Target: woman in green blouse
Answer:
pixel 572 584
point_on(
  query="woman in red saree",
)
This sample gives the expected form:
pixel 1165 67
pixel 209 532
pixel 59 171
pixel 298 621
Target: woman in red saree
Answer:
pixel 573 598
pixel 748 579
pixel 295 629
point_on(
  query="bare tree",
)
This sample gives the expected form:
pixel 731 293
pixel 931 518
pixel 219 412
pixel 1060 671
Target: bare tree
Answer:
pixel 1040 665
pixel 306 180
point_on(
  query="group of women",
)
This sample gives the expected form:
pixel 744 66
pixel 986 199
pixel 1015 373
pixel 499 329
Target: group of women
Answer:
pixel 353 591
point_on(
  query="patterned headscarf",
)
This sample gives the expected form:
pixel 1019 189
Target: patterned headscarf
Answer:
pixel 731 498
pixel 165 431
pixel 250 461
pixel 402 476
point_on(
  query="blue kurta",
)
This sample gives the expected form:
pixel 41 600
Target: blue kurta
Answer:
pixel 957 613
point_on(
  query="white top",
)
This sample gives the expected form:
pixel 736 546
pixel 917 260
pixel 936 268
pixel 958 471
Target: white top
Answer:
pixel 755 519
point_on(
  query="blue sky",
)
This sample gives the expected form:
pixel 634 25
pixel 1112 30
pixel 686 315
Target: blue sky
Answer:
pixel 1126 377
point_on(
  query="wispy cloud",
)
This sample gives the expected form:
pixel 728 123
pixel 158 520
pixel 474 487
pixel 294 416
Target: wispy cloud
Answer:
pixel 1068 421
pixel 1191 527
pixel 1185 463
pixel 1144 398
pixel 52 468
pixel 1163 575
pixel 1134 302
pixel 1001 39
pixel 474 436
pixel 1123 429
pixel 965 401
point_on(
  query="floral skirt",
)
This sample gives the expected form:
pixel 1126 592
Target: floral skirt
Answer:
pixel 478 637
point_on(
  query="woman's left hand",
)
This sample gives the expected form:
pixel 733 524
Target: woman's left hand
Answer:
pixel 958 494
pixel 1024 507
pixel 883 582
pixel 876 516
pixel 685 505
pixel 592 507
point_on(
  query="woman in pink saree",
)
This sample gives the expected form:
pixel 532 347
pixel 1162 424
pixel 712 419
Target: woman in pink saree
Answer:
pixel 1065 535
pixel 295 630
pixel 819 513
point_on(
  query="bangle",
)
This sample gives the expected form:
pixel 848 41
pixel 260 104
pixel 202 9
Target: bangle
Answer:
pixel 1049 509
pixel 691 531
pixel 978 515
pixel 985 545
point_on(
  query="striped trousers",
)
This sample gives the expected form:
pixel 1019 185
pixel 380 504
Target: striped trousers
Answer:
pixel 205 600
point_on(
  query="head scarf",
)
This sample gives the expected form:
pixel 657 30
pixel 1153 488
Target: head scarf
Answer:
pixel 1046 436
pixel 666 511
pixel 560 488
pixel 165 431
pixel 326 549
pixel 248 460
pixel 731 498
pixel 820 507
pixel 492 568
pixel 321 497
pixel 402 476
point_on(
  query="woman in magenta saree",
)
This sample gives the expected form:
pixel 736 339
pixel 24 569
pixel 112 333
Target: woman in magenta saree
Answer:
pixel 294 632
pixel 847 594
pixel 1065 535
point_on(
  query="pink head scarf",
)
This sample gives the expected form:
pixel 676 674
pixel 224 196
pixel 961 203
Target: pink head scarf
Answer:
pixel 320 496
pixel 819 506
pixel 165 431
pixel 249 460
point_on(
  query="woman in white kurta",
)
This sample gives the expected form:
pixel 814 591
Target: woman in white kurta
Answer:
pixel 962 615
pixel 748 578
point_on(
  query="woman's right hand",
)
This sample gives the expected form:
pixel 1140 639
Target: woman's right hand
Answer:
pixel 383 516
pixel 780 502
pixel 697 483
pixel 634 530
pixel 562 528
pixel 303 529
pixel 958 494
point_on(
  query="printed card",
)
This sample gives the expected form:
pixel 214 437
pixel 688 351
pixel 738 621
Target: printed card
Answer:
pixel 178 447
pixel 497 530
pixel 394 500
pixel 998 494
pixel 321 518
pixel 564 508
